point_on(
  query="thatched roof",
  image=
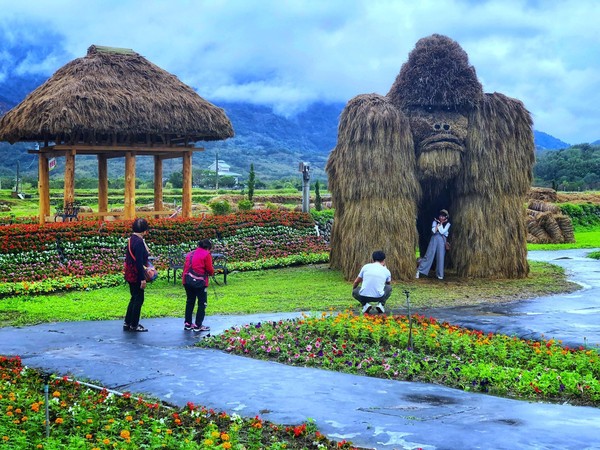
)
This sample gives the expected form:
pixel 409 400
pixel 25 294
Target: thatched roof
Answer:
pixel 114 97
pixel 437 74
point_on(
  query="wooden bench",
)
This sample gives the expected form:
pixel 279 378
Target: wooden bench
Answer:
pixel 69 211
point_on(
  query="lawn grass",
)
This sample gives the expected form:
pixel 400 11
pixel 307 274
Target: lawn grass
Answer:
pixel 584 238
pixel 305 288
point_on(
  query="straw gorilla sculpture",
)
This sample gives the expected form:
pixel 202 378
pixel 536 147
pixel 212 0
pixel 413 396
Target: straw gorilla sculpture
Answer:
pixel 434 141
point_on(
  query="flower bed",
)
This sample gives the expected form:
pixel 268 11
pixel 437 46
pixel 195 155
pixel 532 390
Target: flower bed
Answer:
pixel 438 353
pixel 86 418
pixel 31 254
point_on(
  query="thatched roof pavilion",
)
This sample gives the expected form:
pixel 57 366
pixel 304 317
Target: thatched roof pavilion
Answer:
pixel 114 103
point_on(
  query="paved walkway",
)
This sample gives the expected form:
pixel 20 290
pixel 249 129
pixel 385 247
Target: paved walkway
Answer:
pixel 372 413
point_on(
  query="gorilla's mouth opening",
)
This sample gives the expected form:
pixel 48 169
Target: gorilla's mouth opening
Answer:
pixel 441 142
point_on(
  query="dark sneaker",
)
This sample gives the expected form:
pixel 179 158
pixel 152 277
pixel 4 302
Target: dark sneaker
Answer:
pixel 202 328
pixel 188 326
pixel 380 308
pixel 126 327
pixel 366 308
pixel 140 328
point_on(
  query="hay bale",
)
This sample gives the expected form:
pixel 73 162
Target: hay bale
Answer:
pixel 543 194
pixel 550 225
pixel 539 205
pixel 540 236
pixel 566 227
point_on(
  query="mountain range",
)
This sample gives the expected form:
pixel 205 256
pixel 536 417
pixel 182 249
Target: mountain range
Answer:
pixel 273 143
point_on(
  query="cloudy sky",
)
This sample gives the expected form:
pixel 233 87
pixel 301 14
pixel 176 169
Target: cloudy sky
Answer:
pixel 290 53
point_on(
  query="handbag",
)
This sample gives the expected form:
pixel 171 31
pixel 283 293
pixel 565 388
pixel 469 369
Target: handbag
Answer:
pixel 192 279
pixel 150 272
pixel 447 245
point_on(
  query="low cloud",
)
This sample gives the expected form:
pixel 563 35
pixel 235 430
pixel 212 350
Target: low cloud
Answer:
pixel 289 54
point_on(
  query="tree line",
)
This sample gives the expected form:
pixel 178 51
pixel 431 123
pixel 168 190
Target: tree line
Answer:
pixel 576 168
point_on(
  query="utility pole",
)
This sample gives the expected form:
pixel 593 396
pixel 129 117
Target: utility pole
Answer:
pixel 304 168
pixel 217 172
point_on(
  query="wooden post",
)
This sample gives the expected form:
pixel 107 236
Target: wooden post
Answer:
pixel 158 188
pixel 186 201
pixel 43 187
pixel 102 183
pixel 129 185
pixel 69 195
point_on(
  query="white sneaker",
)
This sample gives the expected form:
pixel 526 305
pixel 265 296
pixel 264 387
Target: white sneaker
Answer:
pixel 366 308
pixel 380 308
pixel 417 275
pixel 440 278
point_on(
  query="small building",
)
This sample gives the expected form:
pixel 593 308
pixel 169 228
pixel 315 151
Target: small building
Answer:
pixel 224 170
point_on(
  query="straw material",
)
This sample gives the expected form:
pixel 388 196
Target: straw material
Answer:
pixel 435 141
pixel 437 73
pixel 543 194
pixel 114 96
pixel 546 224
pixel 372 179
pixel 543 206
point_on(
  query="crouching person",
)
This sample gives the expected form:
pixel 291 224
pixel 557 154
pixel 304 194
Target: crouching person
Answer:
pixel 373 284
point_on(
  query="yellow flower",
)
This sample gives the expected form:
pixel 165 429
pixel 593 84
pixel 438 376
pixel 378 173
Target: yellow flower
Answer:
pixel 59 420
pixel 125 434
pixel 226 445
pixel 215 434
pixel 56 394
pixel 208 442
pixel 224 436
pixel 5 438
pixel 106 441
pixel 128 418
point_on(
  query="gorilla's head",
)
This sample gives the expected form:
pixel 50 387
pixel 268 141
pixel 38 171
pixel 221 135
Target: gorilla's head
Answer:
pixel 436 88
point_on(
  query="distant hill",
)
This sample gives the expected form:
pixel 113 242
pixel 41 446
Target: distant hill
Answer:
pixel 544 141
pixel 273 143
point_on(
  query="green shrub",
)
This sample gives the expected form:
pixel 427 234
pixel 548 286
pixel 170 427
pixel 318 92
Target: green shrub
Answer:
pixel 321 217
pixel 270 205
pixel 245 205
pixel 220 207
pixel 583 215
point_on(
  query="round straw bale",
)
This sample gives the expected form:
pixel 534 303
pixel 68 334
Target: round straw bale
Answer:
pixel 542 206
pixel 543 194
pixel 566 227
pixel 548 222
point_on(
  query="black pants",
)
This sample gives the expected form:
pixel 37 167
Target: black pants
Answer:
pixel 134 309
pixel 193 294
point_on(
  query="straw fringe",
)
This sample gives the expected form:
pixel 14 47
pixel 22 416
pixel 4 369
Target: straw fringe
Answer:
pixel 372 178
pixel 112 97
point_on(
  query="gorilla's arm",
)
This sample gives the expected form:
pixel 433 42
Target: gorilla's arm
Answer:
pixel 489 231
pixel 372 180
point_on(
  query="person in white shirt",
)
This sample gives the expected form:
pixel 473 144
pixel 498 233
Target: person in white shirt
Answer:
pixel 373 284
pixel 437 247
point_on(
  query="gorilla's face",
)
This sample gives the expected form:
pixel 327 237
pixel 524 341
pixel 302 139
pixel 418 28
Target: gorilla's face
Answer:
pixel 439 135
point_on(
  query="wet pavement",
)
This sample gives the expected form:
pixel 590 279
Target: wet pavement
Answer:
pixel 371 412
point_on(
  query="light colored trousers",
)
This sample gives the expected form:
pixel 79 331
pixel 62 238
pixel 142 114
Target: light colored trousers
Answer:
pixel 435 250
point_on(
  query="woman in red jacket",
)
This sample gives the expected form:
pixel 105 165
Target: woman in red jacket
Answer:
pixel 200 262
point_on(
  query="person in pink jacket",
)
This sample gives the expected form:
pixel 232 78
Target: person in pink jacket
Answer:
pixel 200 263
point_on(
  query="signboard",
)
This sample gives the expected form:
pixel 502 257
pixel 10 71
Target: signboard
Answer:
pixel 51 163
